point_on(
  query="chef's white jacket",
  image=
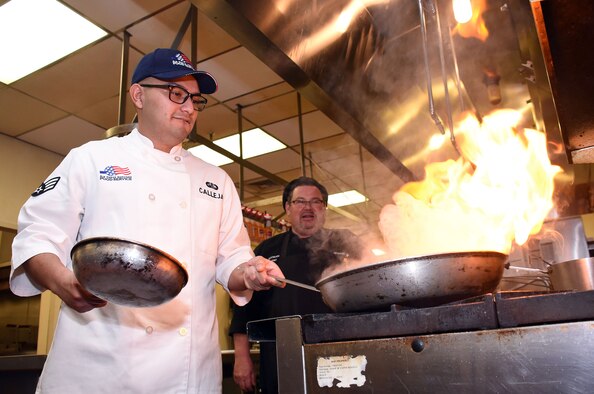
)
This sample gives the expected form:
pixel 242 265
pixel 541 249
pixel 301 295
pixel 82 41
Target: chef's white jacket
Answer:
pixel 123 187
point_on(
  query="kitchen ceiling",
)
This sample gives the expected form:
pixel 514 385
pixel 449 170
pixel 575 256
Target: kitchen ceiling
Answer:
pixel 76 99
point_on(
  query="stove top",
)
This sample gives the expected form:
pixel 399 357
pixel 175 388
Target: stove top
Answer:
pixel 490 311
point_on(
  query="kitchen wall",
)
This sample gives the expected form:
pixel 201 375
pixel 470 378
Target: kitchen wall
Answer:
pixel 22 169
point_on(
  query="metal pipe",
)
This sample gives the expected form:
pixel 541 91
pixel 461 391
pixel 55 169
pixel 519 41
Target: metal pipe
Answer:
pixel 444 78
pixel 363 177
pixel 124 78
pixel 461 88
pixel 423 25
pixel 193 17
pixel 456 70
pixel 194 34
pixel 184 27
pixel 240 132
pixel 301 145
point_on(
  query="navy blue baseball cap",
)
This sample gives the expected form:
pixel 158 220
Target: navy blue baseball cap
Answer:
pixel 167 64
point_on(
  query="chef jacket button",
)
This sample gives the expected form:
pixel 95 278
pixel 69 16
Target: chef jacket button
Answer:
pixel 149 330
pixel 152 197
pixel 183 204
pixel 177 158
pixel 183 331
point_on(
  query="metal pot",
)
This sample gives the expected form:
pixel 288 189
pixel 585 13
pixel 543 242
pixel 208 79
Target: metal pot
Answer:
pixel 127 272
pixel 572 275
pixel 416 281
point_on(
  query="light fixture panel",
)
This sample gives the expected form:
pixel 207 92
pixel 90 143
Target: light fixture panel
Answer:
pixel 37 33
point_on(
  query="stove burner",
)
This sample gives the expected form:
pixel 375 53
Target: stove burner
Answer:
pixel 490 311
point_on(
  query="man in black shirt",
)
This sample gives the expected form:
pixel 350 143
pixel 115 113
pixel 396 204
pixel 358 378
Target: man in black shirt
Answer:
pixel 302 253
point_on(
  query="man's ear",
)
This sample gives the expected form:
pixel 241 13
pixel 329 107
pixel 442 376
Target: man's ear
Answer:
pixel 137 95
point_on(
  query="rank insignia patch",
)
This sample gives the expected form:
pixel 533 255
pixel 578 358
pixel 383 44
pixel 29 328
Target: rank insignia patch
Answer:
pixel 46 186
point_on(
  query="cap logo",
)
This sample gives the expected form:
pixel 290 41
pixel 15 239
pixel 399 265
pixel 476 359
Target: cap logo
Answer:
pixel 182 60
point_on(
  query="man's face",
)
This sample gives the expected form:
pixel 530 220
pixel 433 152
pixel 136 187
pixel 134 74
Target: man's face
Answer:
pixel 167 123
pixel 306 219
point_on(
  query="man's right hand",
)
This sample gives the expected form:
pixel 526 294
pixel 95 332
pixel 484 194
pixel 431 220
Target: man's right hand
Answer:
pixel 47 271
pixel 77 297
pixel 243 367
pixel 243 374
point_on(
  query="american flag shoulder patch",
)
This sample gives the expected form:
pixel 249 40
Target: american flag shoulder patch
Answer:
pixel 115 170
pixel 46 186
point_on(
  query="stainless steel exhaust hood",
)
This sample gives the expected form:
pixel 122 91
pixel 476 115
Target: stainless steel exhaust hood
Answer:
pixel 392 75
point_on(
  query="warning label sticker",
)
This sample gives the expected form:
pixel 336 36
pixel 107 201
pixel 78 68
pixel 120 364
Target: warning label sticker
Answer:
pixel 344 371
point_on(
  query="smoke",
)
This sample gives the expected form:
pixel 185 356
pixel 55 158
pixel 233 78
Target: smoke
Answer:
pixel 332 249
pixel 413 228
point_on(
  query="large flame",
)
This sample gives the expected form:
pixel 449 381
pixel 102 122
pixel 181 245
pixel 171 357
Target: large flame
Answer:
pixel 476 26
pixel 498 191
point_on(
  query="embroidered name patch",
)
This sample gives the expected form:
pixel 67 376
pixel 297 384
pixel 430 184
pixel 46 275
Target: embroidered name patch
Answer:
pixel 46 186
pixel 115 173
pixel 211 193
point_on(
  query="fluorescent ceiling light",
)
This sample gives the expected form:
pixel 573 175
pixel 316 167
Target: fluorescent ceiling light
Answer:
pixel 255 143
pixel 36 33
pixel 209 155
pixel 346 198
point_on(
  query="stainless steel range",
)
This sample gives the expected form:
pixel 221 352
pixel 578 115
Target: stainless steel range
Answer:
pixel 508 342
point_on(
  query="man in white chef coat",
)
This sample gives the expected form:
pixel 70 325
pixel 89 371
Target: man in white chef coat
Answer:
pixel 147 188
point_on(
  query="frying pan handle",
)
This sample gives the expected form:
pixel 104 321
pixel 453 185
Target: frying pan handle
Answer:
pixel 292 282
pixel 508 266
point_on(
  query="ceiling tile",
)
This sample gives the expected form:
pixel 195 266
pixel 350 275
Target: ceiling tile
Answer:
pixel 219 121
pixel 105 113
pixel 239 72
pixel 278 161
pixel 212 40
pixel 316 126
pixel 257 96
pixel 63 135
pixel 233 170
pixel 160 30
pixel 272 111
pixel 102 12
pixel 333 148
pixel 20 112
pixel 81 79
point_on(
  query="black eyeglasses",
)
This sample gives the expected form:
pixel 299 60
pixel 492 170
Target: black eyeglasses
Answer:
pixel 179 95
pixel 315 203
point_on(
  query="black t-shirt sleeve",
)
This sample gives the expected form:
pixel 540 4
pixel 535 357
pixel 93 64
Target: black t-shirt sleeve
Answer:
pixel 253 310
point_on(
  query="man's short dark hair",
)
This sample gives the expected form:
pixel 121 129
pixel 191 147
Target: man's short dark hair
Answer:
pixel 303 181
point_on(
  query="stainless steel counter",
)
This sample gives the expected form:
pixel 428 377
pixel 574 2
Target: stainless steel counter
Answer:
pixel 19 374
